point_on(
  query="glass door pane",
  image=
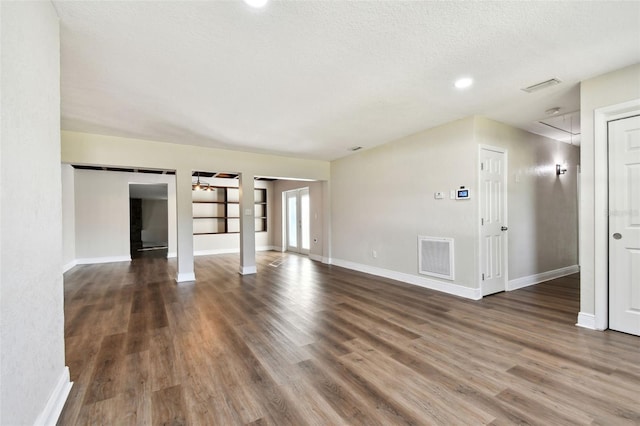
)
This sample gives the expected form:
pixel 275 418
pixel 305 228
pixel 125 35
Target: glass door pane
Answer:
pixel 292 220
pixel 304 219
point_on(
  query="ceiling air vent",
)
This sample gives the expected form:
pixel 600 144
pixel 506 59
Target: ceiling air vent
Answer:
pixel 542 85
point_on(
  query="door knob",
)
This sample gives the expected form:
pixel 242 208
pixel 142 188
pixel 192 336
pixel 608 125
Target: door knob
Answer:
pixel 617 236
pixel 503 228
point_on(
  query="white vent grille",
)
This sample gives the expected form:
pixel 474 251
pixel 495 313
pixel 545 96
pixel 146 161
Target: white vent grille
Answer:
pixel 435 257
pixel 542 85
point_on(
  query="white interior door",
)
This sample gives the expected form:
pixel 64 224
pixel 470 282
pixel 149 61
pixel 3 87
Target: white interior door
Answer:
pixel 493 221
pixel 624 225
pixel 297 220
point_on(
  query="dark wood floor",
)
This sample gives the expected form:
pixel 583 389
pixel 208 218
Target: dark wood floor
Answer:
pixel 305 343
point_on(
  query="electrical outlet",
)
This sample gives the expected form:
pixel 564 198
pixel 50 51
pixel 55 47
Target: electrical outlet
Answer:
pixel 374 254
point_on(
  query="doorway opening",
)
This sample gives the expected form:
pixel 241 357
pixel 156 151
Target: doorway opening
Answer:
pixel 148 220
pixel 296 231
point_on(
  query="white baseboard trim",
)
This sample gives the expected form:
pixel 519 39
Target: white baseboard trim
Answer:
pixel 215 251
pixel 172 254
pixel 229 251
pixel 69 265
pixel 49 416
pixel 247 270
pixel 586 320
pixel 184 277
pixel 315 257
pixel 107 259
pixel 449 288
pixel 522 282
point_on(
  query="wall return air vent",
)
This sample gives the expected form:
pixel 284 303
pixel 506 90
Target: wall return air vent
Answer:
pixel 542 85
pixel 435 257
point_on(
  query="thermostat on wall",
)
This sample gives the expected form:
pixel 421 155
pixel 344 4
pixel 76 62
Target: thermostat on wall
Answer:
pixel 463 193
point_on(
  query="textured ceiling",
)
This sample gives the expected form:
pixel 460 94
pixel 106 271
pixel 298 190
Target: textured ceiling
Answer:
pixel 313 78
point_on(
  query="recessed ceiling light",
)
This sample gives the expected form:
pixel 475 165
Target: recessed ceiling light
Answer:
pixel 463 83
pixel 256 3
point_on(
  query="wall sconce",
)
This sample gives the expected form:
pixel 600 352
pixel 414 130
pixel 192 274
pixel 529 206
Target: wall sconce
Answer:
pixel 560 169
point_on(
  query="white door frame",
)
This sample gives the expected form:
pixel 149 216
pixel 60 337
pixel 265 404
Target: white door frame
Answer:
pixel 601 204
pixel 506 215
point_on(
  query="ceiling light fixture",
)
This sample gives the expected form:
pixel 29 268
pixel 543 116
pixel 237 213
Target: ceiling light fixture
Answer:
pixel 463 83
pixel 256 3
pixel 200 186
pixel 552 111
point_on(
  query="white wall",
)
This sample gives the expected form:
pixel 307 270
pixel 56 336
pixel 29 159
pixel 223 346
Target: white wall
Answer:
pixel 155 221
pixel 383 198
pixel 34 379
pixel 68 218
pixel 605 90
pixel 316 220
pixel 102 213
pixel 542 207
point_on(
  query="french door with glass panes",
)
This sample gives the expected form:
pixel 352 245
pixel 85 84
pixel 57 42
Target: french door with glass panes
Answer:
pixel 297 232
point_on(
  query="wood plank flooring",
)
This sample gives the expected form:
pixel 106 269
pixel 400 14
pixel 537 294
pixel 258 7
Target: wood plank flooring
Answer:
pixel 302 343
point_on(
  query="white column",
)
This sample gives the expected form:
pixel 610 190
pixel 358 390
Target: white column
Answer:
pixel 184 218
pixel 247 225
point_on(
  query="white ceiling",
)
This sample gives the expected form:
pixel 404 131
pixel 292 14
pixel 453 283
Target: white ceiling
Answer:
pixel 313 78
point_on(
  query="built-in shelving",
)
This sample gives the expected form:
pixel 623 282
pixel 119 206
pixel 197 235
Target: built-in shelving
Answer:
pixel 217 211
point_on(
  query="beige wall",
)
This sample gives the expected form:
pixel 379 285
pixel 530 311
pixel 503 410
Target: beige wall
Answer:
pixel 542 207
pixel 68 217
pixel 102 213
pixel 102 216
pixel 85 148
pixel 605 90
pixel 230 243
pixel 155 221
pixel 316 221
pixel 32 364
pixel 383 198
